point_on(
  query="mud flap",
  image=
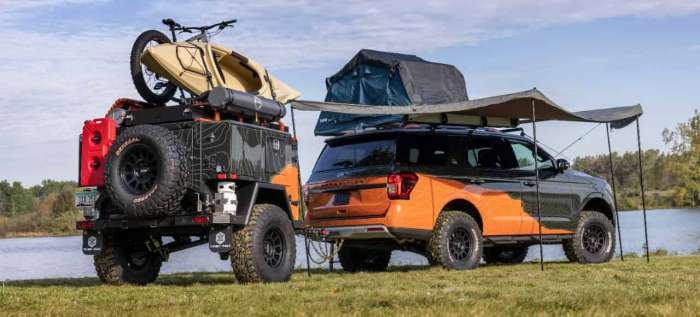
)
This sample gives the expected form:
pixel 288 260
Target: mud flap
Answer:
pixel 220 240
pixel 92 242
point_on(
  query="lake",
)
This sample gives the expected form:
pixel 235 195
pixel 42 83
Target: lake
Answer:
pixel 675 230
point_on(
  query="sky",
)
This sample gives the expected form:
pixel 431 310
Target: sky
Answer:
pixel 66 61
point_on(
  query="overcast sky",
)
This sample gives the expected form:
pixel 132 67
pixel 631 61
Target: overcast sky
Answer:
pixel 65 61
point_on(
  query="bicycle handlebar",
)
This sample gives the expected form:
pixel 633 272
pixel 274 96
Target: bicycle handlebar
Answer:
pixel 174 26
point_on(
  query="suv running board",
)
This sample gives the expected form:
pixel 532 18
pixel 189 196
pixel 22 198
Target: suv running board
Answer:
pixel 546 239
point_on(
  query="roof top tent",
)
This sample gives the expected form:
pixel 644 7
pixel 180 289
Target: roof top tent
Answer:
pixel 388 79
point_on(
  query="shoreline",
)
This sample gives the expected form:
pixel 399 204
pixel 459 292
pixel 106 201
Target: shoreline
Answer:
pixel 44 234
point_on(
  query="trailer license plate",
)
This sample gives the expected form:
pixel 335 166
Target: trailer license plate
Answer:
pixel 86 198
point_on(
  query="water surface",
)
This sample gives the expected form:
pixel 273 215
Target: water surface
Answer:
pixel 676 231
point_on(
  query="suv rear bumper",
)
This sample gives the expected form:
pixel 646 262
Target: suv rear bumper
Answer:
pixel 359 232
pixel 374 231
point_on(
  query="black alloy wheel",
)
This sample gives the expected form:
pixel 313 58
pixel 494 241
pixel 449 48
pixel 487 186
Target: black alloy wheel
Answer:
pixel 460 244
pixel 265 249
pixel 139 170
pixel 594 239
pixel 274 247
pixel 456 242
pixel 127 262
pixel 147 172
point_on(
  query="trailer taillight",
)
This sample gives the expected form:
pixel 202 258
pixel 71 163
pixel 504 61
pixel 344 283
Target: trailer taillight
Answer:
pixel 200 220
pixel 399 185
pixel 85 225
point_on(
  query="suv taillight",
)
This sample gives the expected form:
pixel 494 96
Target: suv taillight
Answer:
pixel 399 185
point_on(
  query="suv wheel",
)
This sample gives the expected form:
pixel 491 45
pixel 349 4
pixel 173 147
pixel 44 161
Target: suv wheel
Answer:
pixel 265 249
pixel 131 263
pixel 456 242
pixel 506 254
pixel 355 259
pixel 146 172
pixel 594 241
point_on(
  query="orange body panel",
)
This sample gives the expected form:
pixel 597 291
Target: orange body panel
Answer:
pixel 289 178
pixel 368 202
pixel 501 213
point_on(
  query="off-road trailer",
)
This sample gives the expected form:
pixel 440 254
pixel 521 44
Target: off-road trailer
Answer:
pixel 238 190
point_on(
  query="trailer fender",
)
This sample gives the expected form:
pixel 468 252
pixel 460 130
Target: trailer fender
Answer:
pixel 250 194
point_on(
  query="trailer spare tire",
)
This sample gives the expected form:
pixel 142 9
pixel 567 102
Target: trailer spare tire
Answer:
pixel 146 172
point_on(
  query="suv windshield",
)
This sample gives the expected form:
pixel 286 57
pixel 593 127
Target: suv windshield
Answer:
pixel 362 154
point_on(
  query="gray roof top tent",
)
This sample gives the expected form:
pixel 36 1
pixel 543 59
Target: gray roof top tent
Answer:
pixel 376 78
pixel 402 94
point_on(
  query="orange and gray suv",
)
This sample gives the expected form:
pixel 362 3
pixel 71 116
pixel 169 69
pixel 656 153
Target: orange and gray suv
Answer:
pixel 455 195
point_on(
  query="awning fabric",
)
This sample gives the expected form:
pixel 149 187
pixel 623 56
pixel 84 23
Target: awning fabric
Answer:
pixel 502 110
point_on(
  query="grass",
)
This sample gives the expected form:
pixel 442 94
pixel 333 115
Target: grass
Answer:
pixel 666 286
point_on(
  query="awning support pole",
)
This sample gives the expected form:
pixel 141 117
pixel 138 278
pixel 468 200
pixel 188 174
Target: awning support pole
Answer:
pixel 302 212
pixel 641 185
pixel 537 185
pixel 614 192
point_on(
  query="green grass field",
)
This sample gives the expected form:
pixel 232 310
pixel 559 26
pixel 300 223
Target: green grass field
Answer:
pixel 666 286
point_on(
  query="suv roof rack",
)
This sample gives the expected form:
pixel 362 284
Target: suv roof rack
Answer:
pixel 521 130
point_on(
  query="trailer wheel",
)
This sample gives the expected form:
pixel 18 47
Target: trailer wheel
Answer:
pixel 456 242
pixel 506 254
pixel 146 172
pixel 265 249
pixel 127 264
pixel 359 259
pixel 594 241
pixel 153 88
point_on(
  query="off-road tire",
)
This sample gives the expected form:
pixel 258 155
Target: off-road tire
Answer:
pixel 505 254
pixel 431 261
pixel 449 227
pixel 355 259
pixel 575 249
pixel 172 166
pixel 248 257
pixel 137 71
pixel 113 267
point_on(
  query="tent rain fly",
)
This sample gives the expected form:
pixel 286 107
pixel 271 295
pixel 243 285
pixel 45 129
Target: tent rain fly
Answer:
pixel 497 111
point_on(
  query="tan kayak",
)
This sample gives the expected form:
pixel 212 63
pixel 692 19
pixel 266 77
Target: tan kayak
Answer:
pixel 187 64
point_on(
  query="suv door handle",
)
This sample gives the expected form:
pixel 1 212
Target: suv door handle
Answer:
pixel 529 183
pixel 476 181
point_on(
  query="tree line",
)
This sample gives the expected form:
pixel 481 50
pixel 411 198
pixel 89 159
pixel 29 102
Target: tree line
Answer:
pixel 15 199
pixel 671 179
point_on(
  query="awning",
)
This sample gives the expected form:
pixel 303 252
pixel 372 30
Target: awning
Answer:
pixel 503 110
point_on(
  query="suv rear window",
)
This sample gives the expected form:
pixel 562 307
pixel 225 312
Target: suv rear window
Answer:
pixel 362 154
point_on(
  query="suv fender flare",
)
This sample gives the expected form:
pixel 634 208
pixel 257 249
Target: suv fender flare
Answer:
pixel 464 205
pixel 601 197
pixel 251 193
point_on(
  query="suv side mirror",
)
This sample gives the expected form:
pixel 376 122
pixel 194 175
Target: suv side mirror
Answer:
pixel 563 165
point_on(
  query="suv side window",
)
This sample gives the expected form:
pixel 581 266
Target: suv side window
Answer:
pixel 525 158
pixel 489 152
pixel 427 150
